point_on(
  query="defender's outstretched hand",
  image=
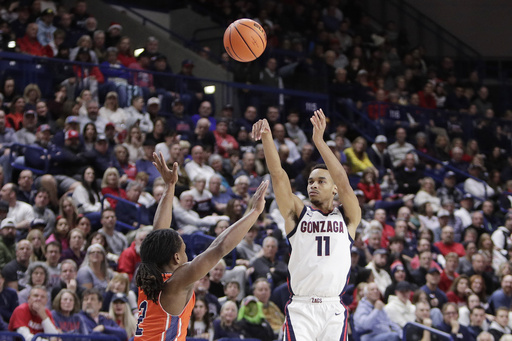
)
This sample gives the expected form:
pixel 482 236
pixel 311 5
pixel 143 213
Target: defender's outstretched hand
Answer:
pixel 319 125
pixel 259 196
pixel 259 128
pixel 170 176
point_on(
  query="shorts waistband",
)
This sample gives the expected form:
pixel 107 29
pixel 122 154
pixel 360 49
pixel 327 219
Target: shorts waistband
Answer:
pixel 316 299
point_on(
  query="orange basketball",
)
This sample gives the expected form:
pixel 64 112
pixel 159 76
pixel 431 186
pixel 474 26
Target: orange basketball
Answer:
pixel 245 40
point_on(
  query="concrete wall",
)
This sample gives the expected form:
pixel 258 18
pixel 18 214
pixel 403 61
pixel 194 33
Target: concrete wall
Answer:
pixel 484 25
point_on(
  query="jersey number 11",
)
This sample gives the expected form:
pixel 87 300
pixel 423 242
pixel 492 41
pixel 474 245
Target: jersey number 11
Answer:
pixel 326 250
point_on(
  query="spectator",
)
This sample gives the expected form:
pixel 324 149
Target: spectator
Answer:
pixel 293 129
pixel 357 156
pixel 477 321
pixel 94 272
pixel 225 325
pixel 379 155
pixel 501 297
pixel 15 270
pixel 399 308
pixel 459 290
pixel 33 317
pixel 94 117
pixel 422 316
pixel 203 136
pixel 87 197
pixel 448 275
pixel 29 43
pixel 205 111
pixel 224 141
pixel 95 322
pixel 268 266
pixel 113 110
pixel 76 244
pixel 67 279
pixel 409 175
pixel 370 319
pixel 273 315
pixel 427 193
pixel 447 244
pixel 466 207
pixel 8 301
pixel 37 275
pixel 499 326
pixel 113 34
pixel 437 297
pixel 280 138
pixel 378 265
pixel 451 325
pixel 479 189
pixel 115 239
pixel 198 165
pixel 111 185
pixel 65 313
pixel 251 320
pixel 121 312
pixel 45 27
pixel 200 325
pixel 26 135
pixel 129 259
pixel 7 241
pixel 501 237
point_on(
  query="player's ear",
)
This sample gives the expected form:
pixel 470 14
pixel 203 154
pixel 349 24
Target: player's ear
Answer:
pixel 335 190
pixel 176 257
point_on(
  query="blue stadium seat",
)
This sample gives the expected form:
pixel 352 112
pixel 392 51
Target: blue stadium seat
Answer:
pixel 36 158
pixel 120 226
pixel 72 337
pixel 200 242
pixel 10 336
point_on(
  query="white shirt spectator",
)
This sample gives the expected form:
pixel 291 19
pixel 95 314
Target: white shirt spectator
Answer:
pixel 399 312
pixel 134 116
pixel 21 212
pixel 397 152
pixel 477 188
pixel 193 169
pixel 464 215
pixel 294 151
pixel 382 278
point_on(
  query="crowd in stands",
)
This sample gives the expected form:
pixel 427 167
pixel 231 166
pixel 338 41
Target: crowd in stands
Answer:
pixel 78 198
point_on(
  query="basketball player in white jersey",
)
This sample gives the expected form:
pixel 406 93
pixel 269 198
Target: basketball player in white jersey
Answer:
pixel 320 237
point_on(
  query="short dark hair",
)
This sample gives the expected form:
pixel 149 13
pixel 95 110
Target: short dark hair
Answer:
pixel 319 166
pixel 54 243
pixel 92 291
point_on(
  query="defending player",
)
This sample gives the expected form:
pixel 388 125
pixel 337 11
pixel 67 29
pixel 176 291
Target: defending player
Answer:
pixel 320 237
pixel 165 277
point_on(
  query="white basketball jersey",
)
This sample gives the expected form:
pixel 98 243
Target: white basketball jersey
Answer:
pixel 320 254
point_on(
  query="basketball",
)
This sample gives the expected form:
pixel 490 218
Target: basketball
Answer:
pixel 245 40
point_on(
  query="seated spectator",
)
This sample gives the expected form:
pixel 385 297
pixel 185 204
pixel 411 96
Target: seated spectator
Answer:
pixel 205 111
pixel 121 312
pixel 202 197
pixel 251 320
pixel 378 265
pixel 68 210
pixel 29 43
pixel 459 290
pixel 35 236
pixel 451 325
pixel 501 297
pixel 501 237
pixel 371 320
pixel 438 298
pixel 198 165
pixel 60 233
pixel 27 134
pixel 398 150
pixel 123 159
pixel 220 196
pixel 429 220
pixel 379 156
pixel 128 213
pixel 37 275
pixel 68 273
pixel 94 272
pixel 499 326
pixel 370 187
pixel 274 316
pixel 409 175
pixel 188 220
pixel 95 322
pixel 113 110
pixel 7 241
pixel 427 193
pixel 65 313
pixel 76 250
pixel 231 293
pixel 422 316
pixel 203 136
pixel 137 116
pixel 225 325
pixel 200 325
pixel 479 189
pixel 129 259
pixel 357 156
pixel 15 270
pixel 87 196
pixel 8 300
pixel 115 239
pixel 279 133
pixel 268 266
pixel 224 141
pixel 16 111
pixel 449 274
pixel 399 308
pixel 111 185
pixel 447 244
pixel 33 317
pixel 145 198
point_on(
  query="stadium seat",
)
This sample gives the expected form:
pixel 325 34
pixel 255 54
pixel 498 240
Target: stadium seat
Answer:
pixel 10 336
pixel 200 242
pixel 36 158
pixel 121 226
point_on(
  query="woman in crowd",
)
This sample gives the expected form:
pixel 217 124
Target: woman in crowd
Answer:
pixel 89 135
pixel 111 185
pixel 370 187
pixel 200 325
pixel 123 157
pixel 94 272
pixel 83 223
pixel 9 91
pixel 158 133
pixel 32 94
pixel 477 285
pixel 15 116
pixel 122 314
pixel 76 246
pixel 145 197
pixel 234 210
pixel 66 306
pixel 225 325
pixel 36 274
pixel 87 196
pixel 112 112
pixel 133 143
pixel 464 310
pixel 120 284
pixel 125 54
pixel 84 98
pixel 36 238
pixel 60 234
pixel 98 238
pixel 459 290
pixel 67 209
pixel 357 157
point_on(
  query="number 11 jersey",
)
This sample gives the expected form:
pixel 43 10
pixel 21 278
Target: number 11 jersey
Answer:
pixel 320 257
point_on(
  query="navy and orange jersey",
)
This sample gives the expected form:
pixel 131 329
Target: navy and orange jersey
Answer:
pixel 155 324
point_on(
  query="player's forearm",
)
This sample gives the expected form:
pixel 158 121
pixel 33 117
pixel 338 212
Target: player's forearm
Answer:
pixel 271 155
pixel 163 215
pixel 232 236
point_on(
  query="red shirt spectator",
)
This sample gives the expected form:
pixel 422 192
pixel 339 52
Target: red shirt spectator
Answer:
pixel 427 98
pixel 130 257
pixel 30 45
pixel 224 141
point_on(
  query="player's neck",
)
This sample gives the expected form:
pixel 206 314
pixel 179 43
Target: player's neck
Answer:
pixel 324 207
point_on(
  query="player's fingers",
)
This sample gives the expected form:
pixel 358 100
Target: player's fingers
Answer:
pixel 175 167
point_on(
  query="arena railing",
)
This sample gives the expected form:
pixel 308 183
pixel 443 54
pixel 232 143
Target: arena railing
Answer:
pixel 414 327
pixel 73 337
pixel 11 336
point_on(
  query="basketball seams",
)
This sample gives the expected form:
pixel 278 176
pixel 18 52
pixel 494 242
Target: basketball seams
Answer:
pixel 231 45
pixel 263 42
pixel 243 39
